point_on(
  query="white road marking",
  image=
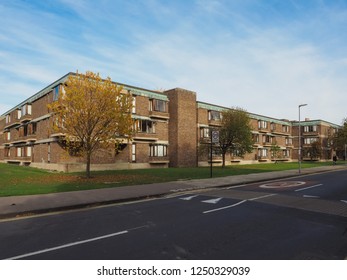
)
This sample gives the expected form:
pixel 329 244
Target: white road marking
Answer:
pixel 299 190
pixel 238 203
pixel 222 208
pixel 282 184
pixel 345 201
pixel 68 245
pixel 311 196
pixel 235 187
pixel 213 200
pixel 263 196
pixel 188 197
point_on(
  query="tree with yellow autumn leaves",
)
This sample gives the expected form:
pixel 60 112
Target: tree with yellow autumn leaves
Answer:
pixel 91 113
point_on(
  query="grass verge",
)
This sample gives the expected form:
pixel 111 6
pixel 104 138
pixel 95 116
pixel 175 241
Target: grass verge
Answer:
pixel 19 180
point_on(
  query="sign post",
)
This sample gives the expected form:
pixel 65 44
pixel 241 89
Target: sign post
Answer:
pixel 214 140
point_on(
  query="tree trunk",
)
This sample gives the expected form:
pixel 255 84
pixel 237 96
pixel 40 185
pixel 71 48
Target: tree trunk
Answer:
pixel 223 159
pixel 88 165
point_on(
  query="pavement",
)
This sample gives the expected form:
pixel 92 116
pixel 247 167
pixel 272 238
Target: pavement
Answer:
pixel 17 206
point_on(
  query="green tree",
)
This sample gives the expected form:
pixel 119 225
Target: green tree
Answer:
pixel 314 151
pixel 235 133
pixel 276 151
pixel 91 113
pixel 340 137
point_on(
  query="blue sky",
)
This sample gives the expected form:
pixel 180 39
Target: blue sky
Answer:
pixel 266 56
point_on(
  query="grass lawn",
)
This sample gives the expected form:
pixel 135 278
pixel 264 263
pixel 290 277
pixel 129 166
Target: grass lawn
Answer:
pixel 21 180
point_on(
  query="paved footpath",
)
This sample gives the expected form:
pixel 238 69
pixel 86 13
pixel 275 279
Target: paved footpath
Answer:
pixel 14 206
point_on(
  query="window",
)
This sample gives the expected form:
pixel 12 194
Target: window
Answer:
pixel 7 152
pixel 214 116
pixel 19 152
pixel 32 127
pixel 157 105
pixel 133 152
pixel 49 153
pixel 289 141
pixel 286 153
pixel 310 128
pixel 19 114
pixel 158 150
pixel 8 136
pixel 8 118
pixel 262 153
pixel 145 126
pixel 310 140
pixel 256 138
pixel 26 109
pixel 133 109
pixel 262 124
pixel 267 139
pixel 273 126
pixel 29 151
pixel 236 153
pixel 285 128
pixel 25 130
pixel 204 132
pixel 55 93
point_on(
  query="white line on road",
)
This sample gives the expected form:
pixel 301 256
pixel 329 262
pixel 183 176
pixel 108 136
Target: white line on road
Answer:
pixel 68 245
pixel 310 196
pixel 238 203
pixel 188 197
pixel 299 190
pixel 263 196
pixel 235 187
pixel 222 208
pixel 345 201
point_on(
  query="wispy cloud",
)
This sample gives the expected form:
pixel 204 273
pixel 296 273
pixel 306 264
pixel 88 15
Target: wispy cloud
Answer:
pixel 264 56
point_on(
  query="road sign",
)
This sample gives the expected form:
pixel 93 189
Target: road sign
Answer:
pixel 215 136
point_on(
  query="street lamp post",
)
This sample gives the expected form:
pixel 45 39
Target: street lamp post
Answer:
pixel 299 155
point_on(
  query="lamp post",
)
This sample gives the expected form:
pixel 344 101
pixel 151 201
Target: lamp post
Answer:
pixel 299 155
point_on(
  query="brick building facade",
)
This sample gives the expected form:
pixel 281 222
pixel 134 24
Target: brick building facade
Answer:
pixel 171 130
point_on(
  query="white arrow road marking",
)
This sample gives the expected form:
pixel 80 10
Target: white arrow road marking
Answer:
pixel 188 197
pixel 212 201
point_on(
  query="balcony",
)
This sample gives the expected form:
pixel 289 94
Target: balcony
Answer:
pixel 26 118
pixel 159 115
pixel 310 133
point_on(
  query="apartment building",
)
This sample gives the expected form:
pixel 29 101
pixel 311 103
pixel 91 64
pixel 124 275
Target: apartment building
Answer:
pixel 28 138
pixel 273 140
pixel 171 129
pixel 315 131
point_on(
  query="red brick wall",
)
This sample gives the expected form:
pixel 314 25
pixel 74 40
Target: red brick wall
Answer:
pixel 182 128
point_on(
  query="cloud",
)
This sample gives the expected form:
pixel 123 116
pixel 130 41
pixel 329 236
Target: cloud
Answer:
pixel 259 55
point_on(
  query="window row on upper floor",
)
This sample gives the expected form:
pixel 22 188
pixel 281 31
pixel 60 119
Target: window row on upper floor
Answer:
pixel 19 113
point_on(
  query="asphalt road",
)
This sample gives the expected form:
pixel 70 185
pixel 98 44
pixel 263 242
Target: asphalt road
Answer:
pixel 297 218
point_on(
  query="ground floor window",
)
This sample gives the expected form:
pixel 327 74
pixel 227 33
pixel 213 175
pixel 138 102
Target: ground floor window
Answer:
pixel 133 152
pixel 29 151
pixel 262 153
pixel 158 150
